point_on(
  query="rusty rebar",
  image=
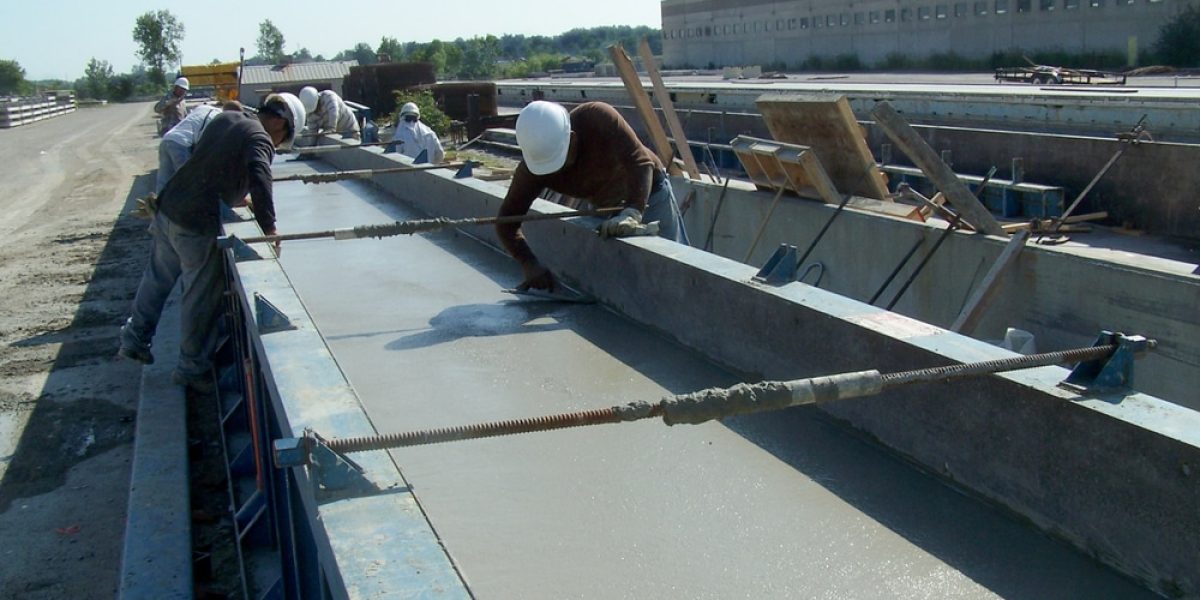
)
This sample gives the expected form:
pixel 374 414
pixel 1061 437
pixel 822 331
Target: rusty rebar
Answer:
pixel 614 414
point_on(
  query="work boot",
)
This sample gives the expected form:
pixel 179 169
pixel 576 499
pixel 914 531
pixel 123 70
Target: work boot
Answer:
pixel 201 384
pixel 141 355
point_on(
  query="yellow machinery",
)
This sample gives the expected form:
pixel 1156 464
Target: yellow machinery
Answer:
pixel 223 77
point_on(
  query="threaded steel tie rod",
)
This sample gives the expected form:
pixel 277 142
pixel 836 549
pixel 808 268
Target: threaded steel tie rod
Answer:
pixel 412 226
pixel 714 403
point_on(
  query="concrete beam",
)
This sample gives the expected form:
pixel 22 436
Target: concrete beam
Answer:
pixel 1063 461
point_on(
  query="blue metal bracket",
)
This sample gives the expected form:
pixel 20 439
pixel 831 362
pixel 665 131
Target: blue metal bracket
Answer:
pixel 270 319
pixel 1114 372
pixel 467 170
pixel 781 267
pixel 422 158
pixel 241 250
pixel 391 148
pixel 330 470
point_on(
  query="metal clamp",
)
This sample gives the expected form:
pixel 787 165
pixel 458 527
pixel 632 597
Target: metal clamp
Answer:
pixel 269 318
pixel 780 268
pixel 1114 372
pixel 241 250
pixel 330 470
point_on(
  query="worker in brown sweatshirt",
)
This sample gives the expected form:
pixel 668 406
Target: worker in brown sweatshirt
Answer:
pixel 590 153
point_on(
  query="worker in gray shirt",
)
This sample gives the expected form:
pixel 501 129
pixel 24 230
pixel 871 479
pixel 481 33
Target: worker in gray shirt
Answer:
pixel 233 157
pixel 173 106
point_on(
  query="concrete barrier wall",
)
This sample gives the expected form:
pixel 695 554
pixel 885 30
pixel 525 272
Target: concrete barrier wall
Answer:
pixel 1115 476
pixel 1152 186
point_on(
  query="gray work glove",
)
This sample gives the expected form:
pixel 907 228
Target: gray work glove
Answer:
pixel 627 223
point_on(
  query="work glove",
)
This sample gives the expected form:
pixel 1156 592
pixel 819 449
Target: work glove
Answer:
pixel 627 223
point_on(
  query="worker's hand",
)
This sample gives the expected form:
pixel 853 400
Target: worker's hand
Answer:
pixel 536 277
pixel 621 224
pixel 627 223
pixel 278 247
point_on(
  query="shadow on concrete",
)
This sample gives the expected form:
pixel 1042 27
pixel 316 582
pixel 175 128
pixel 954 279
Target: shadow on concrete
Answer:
pixel 482 320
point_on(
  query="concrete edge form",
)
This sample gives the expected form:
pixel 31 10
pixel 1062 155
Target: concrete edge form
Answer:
pixel 1114 476
pixel 156 562
pixel 344 533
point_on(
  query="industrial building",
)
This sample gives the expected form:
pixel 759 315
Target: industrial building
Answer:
pixel 260 80
pixel 717 33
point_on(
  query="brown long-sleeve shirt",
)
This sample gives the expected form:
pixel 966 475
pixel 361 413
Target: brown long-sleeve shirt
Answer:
pixel 611 168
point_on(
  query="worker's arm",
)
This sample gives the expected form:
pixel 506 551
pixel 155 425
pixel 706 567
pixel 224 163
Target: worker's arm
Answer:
pixel 521 194
pixel 166 102
pixel 258 155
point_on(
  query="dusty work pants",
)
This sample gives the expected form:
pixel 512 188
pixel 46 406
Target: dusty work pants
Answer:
pixel 178 254
pixel 171 156
pixel 661 207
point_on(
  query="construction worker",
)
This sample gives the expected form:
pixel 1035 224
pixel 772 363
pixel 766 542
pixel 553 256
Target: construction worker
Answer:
pixel 593 154
pixel 177 144
pixel 173 106
pixel 328 113
pixel 415 136
pixel 233 156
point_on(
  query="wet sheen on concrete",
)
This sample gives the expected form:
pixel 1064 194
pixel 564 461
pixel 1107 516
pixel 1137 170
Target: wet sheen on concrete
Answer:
pixel 781 505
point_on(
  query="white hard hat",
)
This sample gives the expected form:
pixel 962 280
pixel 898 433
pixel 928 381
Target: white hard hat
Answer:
pixel 410 108
pixel 308 97
pixel 295 110
pixel 544 134
pixel 183 83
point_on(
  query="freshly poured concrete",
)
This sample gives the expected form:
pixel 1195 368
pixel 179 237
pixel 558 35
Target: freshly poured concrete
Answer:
pixel 781 505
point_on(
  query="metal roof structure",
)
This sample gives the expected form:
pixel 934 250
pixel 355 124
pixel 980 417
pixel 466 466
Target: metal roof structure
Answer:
pixel 296 72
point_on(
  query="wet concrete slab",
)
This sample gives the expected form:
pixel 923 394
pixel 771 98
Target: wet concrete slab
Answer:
pixel 781 505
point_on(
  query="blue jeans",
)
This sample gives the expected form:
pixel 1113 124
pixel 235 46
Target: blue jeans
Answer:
pixel 171 156
pixel 661 207
pixel 178 254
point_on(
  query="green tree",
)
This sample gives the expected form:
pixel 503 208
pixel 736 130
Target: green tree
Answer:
pixel 302 55
pixel 158 35
pixel 479 59
pixel 97 77
pixel 270 42
pixel 392 48
pixel 12 77
pixel 1179 40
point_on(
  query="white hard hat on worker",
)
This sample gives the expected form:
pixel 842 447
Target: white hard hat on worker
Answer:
pixel 544 134
pixel 410 108
pixel 309 97
pixel 182 82
pixel 289 108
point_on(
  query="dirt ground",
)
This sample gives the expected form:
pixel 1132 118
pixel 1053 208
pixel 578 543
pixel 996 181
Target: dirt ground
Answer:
pixel 69 263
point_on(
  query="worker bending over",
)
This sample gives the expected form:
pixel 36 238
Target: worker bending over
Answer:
pixel 233 156
pixel 328 113
pixel 415 136
pixel 590 153
pixel 177 144
pixel 173 106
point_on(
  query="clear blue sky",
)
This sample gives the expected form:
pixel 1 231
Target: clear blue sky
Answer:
pixel 55 40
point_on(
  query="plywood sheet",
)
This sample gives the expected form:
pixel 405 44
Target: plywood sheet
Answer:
pixel 826 124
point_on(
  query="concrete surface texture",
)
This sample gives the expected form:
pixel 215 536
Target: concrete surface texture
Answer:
pixel 783 505
pixel 69 262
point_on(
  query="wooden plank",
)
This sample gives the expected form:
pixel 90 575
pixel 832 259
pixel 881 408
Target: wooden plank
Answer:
pixel 819 178
pixel 641 102
pixel 891 209
pixel 668 108
pixel 827 125
pixel 971 314
pixel 904 136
